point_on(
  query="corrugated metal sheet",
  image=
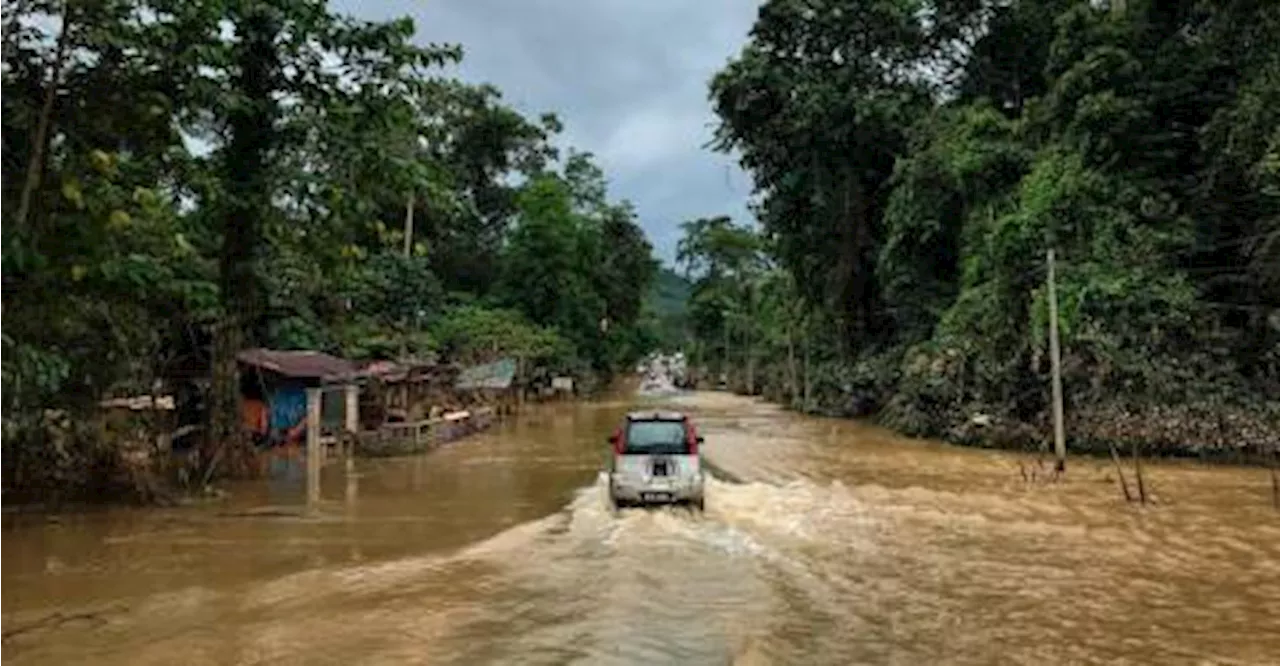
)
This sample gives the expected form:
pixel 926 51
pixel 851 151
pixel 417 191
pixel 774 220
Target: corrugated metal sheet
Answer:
pixel 392 372
pixel 299 364
pixel 496 375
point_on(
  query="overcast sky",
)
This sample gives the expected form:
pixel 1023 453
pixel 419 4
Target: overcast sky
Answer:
pixel 627 77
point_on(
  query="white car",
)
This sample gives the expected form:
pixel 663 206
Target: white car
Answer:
pixel 656 460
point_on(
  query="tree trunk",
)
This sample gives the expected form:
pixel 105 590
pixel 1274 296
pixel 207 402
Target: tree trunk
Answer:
pixel 40 146
pixel 857 218
pixel 224 430
pixel 792 388
pixel 808 379
pixel 248 203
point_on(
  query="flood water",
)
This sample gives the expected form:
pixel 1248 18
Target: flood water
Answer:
pixel 824 542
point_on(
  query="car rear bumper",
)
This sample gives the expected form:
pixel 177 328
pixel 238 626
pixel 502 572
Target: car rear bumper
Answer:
pixel 655 494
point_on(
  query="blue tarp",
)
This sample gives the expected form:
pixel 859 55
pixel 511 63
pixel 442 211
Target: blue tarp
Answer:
pixel 288 407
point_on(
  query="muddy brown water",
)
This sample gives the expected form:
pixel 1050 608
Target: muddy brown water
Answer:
pixel 834 543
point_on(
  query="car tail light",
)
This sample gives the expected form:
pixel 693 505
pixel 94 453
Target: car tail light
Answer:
pixel 619 441
pixel 692 433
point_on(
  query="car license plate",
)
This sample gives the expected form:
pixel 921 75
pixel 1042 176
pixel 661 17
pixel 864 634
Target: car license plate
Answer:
pixel 656 497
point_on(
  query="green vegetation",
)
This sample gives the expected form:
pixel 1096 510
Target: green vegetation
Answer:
pixel 665 309
pixel 914 161
pixel 186 179
pixel 669 294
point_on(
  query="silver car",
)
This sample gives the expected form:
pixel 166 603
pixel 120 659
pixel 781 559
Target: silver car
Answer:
pixel 655 460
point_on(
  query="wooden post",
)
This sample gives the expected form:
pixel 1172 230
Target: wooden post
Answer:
pixel 522 386
pixel 314 399
pixel 1059 433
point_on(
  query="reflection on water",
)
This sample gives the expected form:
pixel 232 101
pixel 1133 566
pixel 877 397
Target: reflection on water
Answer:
pixel 842 544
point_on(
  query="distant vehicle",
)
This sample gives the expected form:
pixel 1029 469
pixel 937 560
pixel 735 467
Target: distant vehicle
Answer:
pixel 656 460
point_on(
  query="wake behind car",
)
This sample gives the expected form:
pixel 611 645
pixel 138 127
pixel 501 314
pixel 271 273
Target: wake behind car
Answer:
pixel 656 460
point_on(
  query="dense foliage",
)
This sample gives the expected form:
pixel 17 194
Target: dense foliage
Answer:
pixel 914 160
pixel 665 311
pixel 183 179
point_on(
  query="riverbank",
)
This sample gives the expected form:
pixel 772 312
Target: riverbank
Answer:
pixel 87 468
pixel 1219 434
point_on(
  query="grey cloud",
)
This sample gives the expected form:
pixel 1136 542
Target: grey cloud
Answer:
pixel 627 77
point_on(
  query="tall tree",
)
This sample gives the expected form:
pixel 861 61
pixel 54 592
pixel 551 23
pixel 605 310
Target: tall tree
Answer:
pixel 251 121
pixel 817 83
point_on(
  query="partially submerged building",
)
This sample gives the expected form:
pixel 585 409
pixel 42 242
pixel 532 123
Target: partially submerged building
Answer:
pixel 274 383
pixel 398 392
pixel 491 384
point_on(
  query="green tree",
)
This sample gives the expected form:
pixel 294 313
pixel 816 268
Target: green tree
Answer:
pixel 192 177
pixel 725 264
pixel 915 160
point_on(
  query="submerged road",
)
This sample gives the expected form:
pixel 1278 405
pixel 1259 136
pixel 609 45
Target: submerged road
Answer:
pixel 836 543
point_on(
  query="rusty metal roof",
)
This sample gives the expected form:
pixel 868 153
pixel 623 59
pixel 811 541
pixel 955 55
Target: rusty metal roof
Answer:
pixel 394 372
pixel 299 364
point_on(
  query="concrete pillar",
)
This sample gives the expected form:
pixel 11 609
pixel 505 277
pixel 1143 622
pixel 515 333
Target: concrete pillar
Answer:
pixel 352 418
pixel 314 454
pixel 353 407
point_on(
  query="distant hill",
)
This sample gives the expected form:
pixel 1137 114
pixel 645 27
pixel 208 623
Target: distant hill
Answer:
pixel 665 306
pixel 669 293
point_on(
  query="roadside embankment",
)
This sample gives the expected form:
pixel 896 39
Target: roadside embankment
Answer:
pixel 1244 431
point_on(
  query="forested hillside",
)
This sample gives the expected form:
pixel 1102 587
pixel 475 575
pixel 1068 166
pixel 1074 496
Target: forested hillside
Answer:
pixel 186 179
pixel 914 162
pixel 669 293
pixel 666 311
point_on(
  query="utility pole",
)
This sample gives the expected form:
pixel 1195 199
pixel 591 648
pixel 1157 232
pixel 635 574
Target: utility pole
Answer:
pixel 408 252
pixel 724 367
pixel 748 341
pixel 1055 353
pixel 408 226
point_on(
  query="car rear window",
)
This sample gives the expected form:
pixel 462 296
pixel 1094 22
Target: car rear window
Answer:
pixel 656 437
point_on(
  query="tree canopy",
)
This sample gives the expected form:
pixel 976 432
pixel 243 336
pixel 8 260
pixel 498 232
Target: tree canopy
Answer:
pixel 915 160
pixel 184 179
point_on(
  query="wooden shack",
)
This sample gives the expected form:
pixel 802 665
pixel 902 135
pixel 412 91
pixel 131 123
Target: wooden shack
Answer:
pixel 274 387
pixel 400 392
pixel 491 384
